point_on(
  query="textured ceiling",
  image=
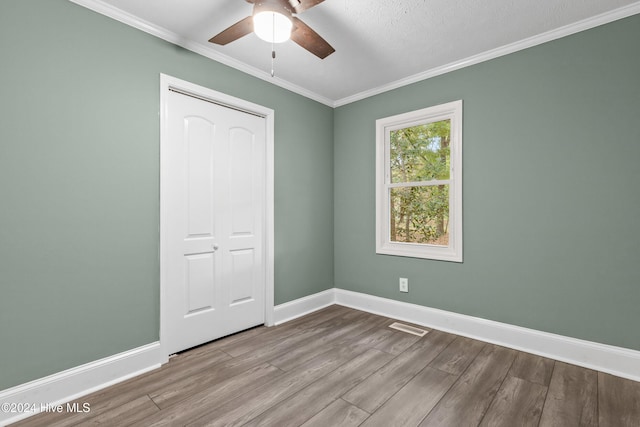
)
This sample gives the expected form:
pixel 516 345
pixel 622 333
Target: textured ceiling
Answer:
pixel 379 43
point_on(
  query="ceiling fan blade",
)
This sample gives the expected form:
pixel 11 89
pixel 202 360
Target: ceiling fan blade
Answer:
pixel 304 4
pixel 234 32
pixel 303 35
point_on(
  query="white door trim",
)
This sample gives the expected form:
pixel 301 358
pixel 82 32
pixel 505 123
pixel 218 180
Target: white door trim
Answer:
pixel 169 82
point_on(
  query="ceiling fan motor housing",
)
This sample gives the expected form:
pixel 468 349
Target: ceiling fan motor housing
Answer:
pixel 279 6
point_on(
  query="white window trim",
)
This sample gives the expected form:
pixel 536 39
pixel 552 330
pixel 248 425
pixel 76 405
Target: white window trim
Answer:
pixel 453 252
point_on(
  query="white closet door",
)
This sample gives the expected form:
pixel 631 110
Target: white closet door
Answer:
pixel 215 266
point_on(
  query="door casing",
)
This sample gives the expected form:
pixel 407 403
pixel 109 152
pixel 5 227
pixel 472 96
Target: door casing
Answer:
pixel 167 83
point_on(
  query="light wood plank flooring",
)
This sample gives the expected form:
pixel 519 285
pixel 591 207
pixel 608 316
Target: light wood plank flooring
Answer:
pixel 343 367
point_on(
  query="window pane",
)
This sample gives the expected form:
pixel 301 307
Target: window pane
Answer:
pixel 420 153
pixel 420 215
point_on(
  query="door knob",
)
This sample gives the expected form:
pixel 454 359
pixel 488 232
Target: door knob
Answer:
pixel 214 247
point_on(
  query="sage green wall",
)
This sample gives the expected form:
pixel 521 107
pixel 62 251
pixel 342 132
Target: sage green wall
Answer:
pixel 79 184
pixel 551 190
pixel 551 148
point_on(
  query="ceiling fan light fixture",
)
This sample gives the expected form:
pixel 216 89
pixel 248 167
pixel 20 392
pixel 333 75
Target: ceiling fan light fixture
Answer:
pixel 272 27
pixel 275 22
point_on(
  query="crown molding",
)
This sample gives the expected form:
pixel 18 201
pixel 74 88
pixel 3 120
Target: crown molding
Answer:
pixel 103 8
pixel 133 21
pixel 567 30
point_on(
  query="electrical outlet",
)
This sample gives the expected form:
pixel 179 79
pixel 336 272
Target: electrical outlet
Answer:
pixel 404 284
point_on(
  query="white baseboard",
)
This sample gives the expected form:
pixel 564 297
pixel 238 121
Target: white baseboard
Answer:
pixel 617 361
pixel 82 380
pixel 296 308
pixel 77 382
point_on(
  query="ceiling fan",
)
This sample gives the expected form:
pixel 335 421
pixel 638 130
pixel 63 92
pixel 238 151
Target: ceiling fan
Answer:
pixel 273 21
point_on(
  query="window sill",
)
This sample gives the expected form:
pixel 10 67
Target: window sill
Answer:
pixel 436 253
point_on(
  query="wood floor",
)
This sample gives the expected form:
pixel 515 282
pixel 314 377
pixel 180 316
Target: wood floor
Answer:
pixel 343 367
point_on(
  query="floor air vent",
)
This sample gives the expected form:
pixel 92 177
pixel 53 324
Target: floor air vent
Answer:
pixel 408 329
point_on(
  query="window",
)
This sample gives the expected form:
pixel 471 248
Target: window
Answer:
pixel 419 183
